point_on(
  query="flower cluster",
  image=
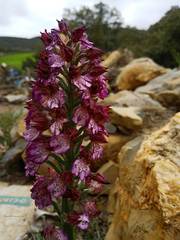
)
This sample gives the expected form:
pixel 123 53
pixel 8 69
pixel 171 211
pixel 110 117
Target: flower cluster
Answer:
pixel 65 126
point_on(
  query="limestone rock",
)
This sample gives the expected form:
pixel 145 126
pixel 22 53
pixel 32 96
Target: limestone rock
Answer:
pixel 112 59
pixel 118 58
pixel 129 109
pixel 110 171
pixel 114 62
pixel 111 129
pixel 165 89
pixel 137 73
pixel 112 201
pixel 15 98
pixel 13 156
pixel 127 153
pixel 126 117
pixel 19 128
pixel 148 199
pixel 113 146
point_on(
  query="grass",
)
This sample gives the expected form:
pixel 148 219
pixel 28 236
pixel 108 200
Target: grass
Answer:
pixel 15 59
pixel 7 121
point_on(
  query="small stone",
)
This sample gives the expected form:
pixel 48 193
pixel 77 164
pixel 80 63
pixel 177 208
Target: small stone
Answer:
pixel 15 98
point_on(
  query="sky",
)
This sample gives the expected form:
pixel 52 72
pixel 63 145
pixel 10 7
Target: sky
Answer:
pixel 27 18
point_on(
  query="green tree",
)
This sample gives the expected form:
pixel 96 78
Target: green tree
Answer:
pixel 163 39
pixel 101 21
pixel 131 38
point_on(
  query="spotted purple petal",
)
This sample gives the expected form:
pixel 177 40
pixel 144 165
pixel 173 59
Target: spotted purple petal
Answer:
pixel 91 208
pixel 96 151
pixel 55 61
pixel 81 116
pixel 82 82
pixel 83 221
pixel 60 143
pixel 37 151
pixel 52 233
pixel 80 169
pixel 57 187
pixel 93 127
pixel 55 100
pixel 31 134
pixel 31 168
pixel 40 193
pixel 57 126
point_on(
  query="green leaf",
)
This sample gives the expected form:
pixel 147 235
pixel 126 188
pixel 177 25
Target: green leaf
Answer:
pixel 38 236
pixel 54 166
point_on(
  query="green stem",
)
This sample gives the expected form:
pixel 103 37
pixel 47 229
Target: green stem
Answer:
pixel 56 208
pixel 67 206
pixel 58 158
pixel 68 228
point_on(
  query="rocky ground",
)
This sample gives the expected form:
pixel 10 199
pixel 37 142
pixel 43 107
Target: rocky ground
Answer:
pixel 141 159
pixel 144 200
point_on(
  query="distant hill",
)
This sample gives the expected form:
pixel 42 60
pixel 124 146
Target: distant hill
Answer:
pixel 15 44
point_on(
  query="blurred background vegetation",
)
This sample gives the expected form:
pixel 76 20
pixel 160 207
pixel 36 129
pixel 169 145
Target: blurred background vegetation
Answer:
pixel 105 28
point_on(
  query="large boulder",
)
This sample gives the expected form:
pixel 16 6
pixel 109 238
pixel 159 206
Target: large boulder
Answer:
pixel 118 58
pixel 110 171
pixel 112 59
pixel 165 89
pixel 114 62
pixel 147 204
pixel 129 110
pixel 113 146
pixel 137 73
